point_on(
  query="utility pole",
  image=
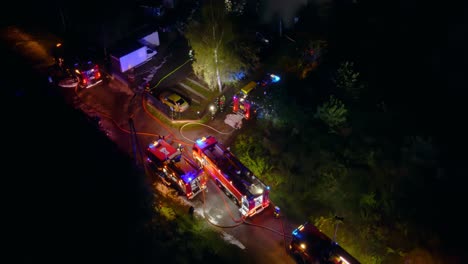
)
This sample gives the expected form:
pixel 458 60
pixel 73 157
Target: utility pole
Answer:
pixel 62 19
pixel 280 27
pixel 218 78
pixel 135 145
pixel 338 220
pixel 104 39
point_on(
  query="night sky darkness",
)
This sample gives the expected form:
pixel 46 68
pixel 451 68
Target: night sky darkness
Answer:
pixel 70 195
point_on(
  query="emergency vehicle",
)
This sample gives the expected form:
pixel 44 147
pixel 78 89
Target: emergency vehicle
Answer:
pixel 241 105
pixel 239 183
pixel 310 245
pixel 88 74
pixel 175 169
pixel 74 68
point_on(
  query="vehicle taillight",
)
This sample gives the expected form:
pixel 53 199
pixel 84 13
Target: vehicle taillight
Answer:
pixel 247 110
pixel 97 73
pixel 236 104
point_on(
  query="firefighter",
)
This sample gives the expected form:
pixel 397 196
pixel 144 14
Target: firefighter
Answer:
pixel 276 212
pixel 191 211
pixel 222 101
pixel 180 147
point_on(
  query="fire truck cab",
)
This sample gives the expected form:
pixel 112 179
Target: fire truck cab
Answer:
pixel 175 169
pixel 239 183
pixel 310 245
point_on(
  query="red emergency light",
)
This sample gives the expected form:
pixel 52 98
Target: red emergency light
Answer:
pixel 235 108
pixel 246 110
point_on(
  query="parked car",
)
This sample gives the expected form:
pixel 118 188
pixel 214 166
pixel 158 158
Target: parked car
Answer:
pixel 74 63
pixel 174 100
pixel 88 74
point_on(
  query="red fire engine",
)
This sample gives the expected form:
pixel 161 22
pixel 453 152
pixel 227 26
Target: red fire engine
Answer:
pixel 175 168
pixel 231 176
pixel 241 106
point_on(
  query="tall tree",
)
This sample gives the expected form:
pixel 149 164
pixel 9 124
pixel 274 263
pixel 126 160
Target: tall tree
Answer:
pixel 347 79
pixel 212 39
pixel 333 113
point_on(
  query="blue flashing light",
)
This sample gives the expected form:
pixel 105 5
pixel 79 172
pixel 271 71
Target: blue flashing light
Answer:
pixel 268 187
pixel 277 209
pixel 153 144
pixel 199 142
pixel 239 75
pixel 189 176
pixel 295 232
pixel 275 78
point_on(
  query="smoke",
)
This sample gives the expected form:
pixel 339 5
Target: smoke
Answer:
pixel 284 9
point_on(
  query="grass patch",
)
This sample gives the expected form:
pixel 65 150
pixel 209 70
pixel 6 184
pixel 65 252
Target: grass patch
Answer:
pixel 199 89
pixel 195 239
pixel 194 107
pixel 154 112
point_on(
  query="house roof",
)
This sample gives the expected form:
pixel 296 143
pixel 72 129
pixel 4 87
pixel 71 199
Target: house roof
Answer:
pixel 125 47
